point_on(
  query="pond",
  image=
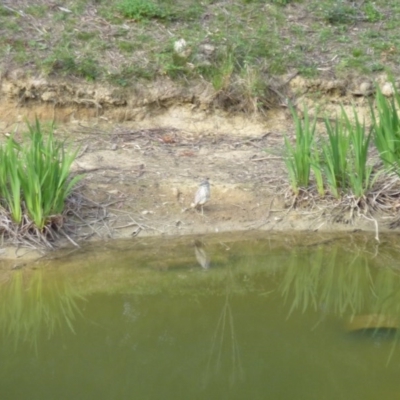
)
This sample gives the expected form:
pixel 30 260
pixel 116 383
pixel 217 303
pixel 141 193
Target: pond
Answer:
pixel 302 316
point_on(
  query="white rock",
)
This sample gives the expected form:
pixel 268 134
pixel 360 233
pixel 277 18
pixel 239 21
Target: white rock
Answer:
pixel 49 96
pixel 365 88
pixel 207 49
pixel 180 46
pixel 387 89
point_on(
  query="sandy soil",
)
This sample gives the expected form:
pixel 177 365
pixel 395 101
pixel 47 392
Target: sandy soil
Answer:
pixel 148 171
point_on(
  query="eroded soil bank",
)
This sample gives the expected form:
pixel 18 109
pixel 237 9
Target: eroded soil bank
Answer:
pixel 143 162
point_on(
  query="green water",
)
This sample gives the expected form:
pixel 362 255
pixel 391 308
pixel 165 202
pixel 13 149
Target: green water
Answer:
pixel 269 319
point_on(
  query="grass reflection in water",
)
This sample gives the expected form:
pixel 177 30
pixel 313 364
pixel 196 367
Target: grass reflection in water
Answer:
pixel 251 317
pixel 34 303
pixel 225 338
pixel 362 290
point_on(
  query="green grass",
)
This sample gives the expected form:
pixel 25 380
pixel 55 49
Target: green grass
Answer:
pixel 372 13
pixel 35 177
pixel 298 156
pixel 265 37
pixel 386 127
pixel 10 184
pixel 335 157
pixel 142 9
pixel 340 13
pixel 339 160
pixel 360 178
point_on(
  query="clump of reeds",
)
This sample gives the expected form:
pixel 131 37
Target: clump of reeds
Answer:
pixel 340 166
pixel 35 182
pixel 386 126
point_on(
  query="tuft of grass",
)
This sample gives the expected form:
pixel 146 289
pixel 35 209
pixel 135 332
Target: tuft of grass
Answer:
pixel 371 12
pixel 64 62
pixel 10 184
pixel 317 169
pixel 35 177
pixel 336 157
pixel 45 174
pixel 386 128
pixel 85 35
pixel 282 2
pixel 37 10
pixel 5 12
pixel 298 156
pixel 219 74
pixel 359 172
pixel 341 166
pixel 141 9
pixel 340 13
pixel 88 68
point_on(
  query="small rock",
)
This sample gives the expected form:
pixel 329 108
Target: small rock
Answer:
pixel 387 89
pixel 49 96
pixel 180 47
pixel 146 212
pixel 176 193
pixel 29 95
pixel 207 49
pixel 365 88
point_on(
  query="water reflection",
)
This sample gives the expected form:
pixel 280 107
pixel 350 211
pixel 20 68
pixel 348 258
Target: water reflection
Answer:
pixel 201 255
pixel 340 282
pixel 359 289
pixel 225 347
pixel 268 319
pixel 34 303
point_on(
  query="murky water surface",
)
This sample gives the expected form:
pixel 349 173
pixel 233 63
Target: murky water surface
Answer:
pixel 273 317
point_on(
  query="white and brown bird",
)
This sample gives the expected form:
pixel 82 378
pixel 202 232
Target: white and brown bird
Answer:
pixel 202 195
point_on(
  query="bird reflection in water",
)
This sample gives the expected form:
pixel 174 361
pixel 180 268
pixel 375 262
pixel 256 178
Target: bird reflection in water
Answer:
pixel 224 352
pixel 201 255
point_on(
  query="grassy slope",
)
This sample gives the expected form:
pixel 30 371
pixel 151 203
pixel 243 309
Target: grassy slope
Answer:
pixel 240 41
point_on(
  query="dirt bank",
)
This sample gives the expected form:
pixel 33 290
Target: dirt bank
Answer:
pixel 143 162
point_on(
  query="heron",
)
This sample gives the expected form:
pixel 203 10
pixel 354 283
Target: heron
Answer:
pixel 202 195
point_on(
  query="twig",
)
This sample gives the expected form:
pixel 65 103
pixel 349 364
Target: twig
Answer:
pixel 376 226
pixel 15 11
pixel 127 225
pixel 84 222
pixel 266 158
pixel 73 242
